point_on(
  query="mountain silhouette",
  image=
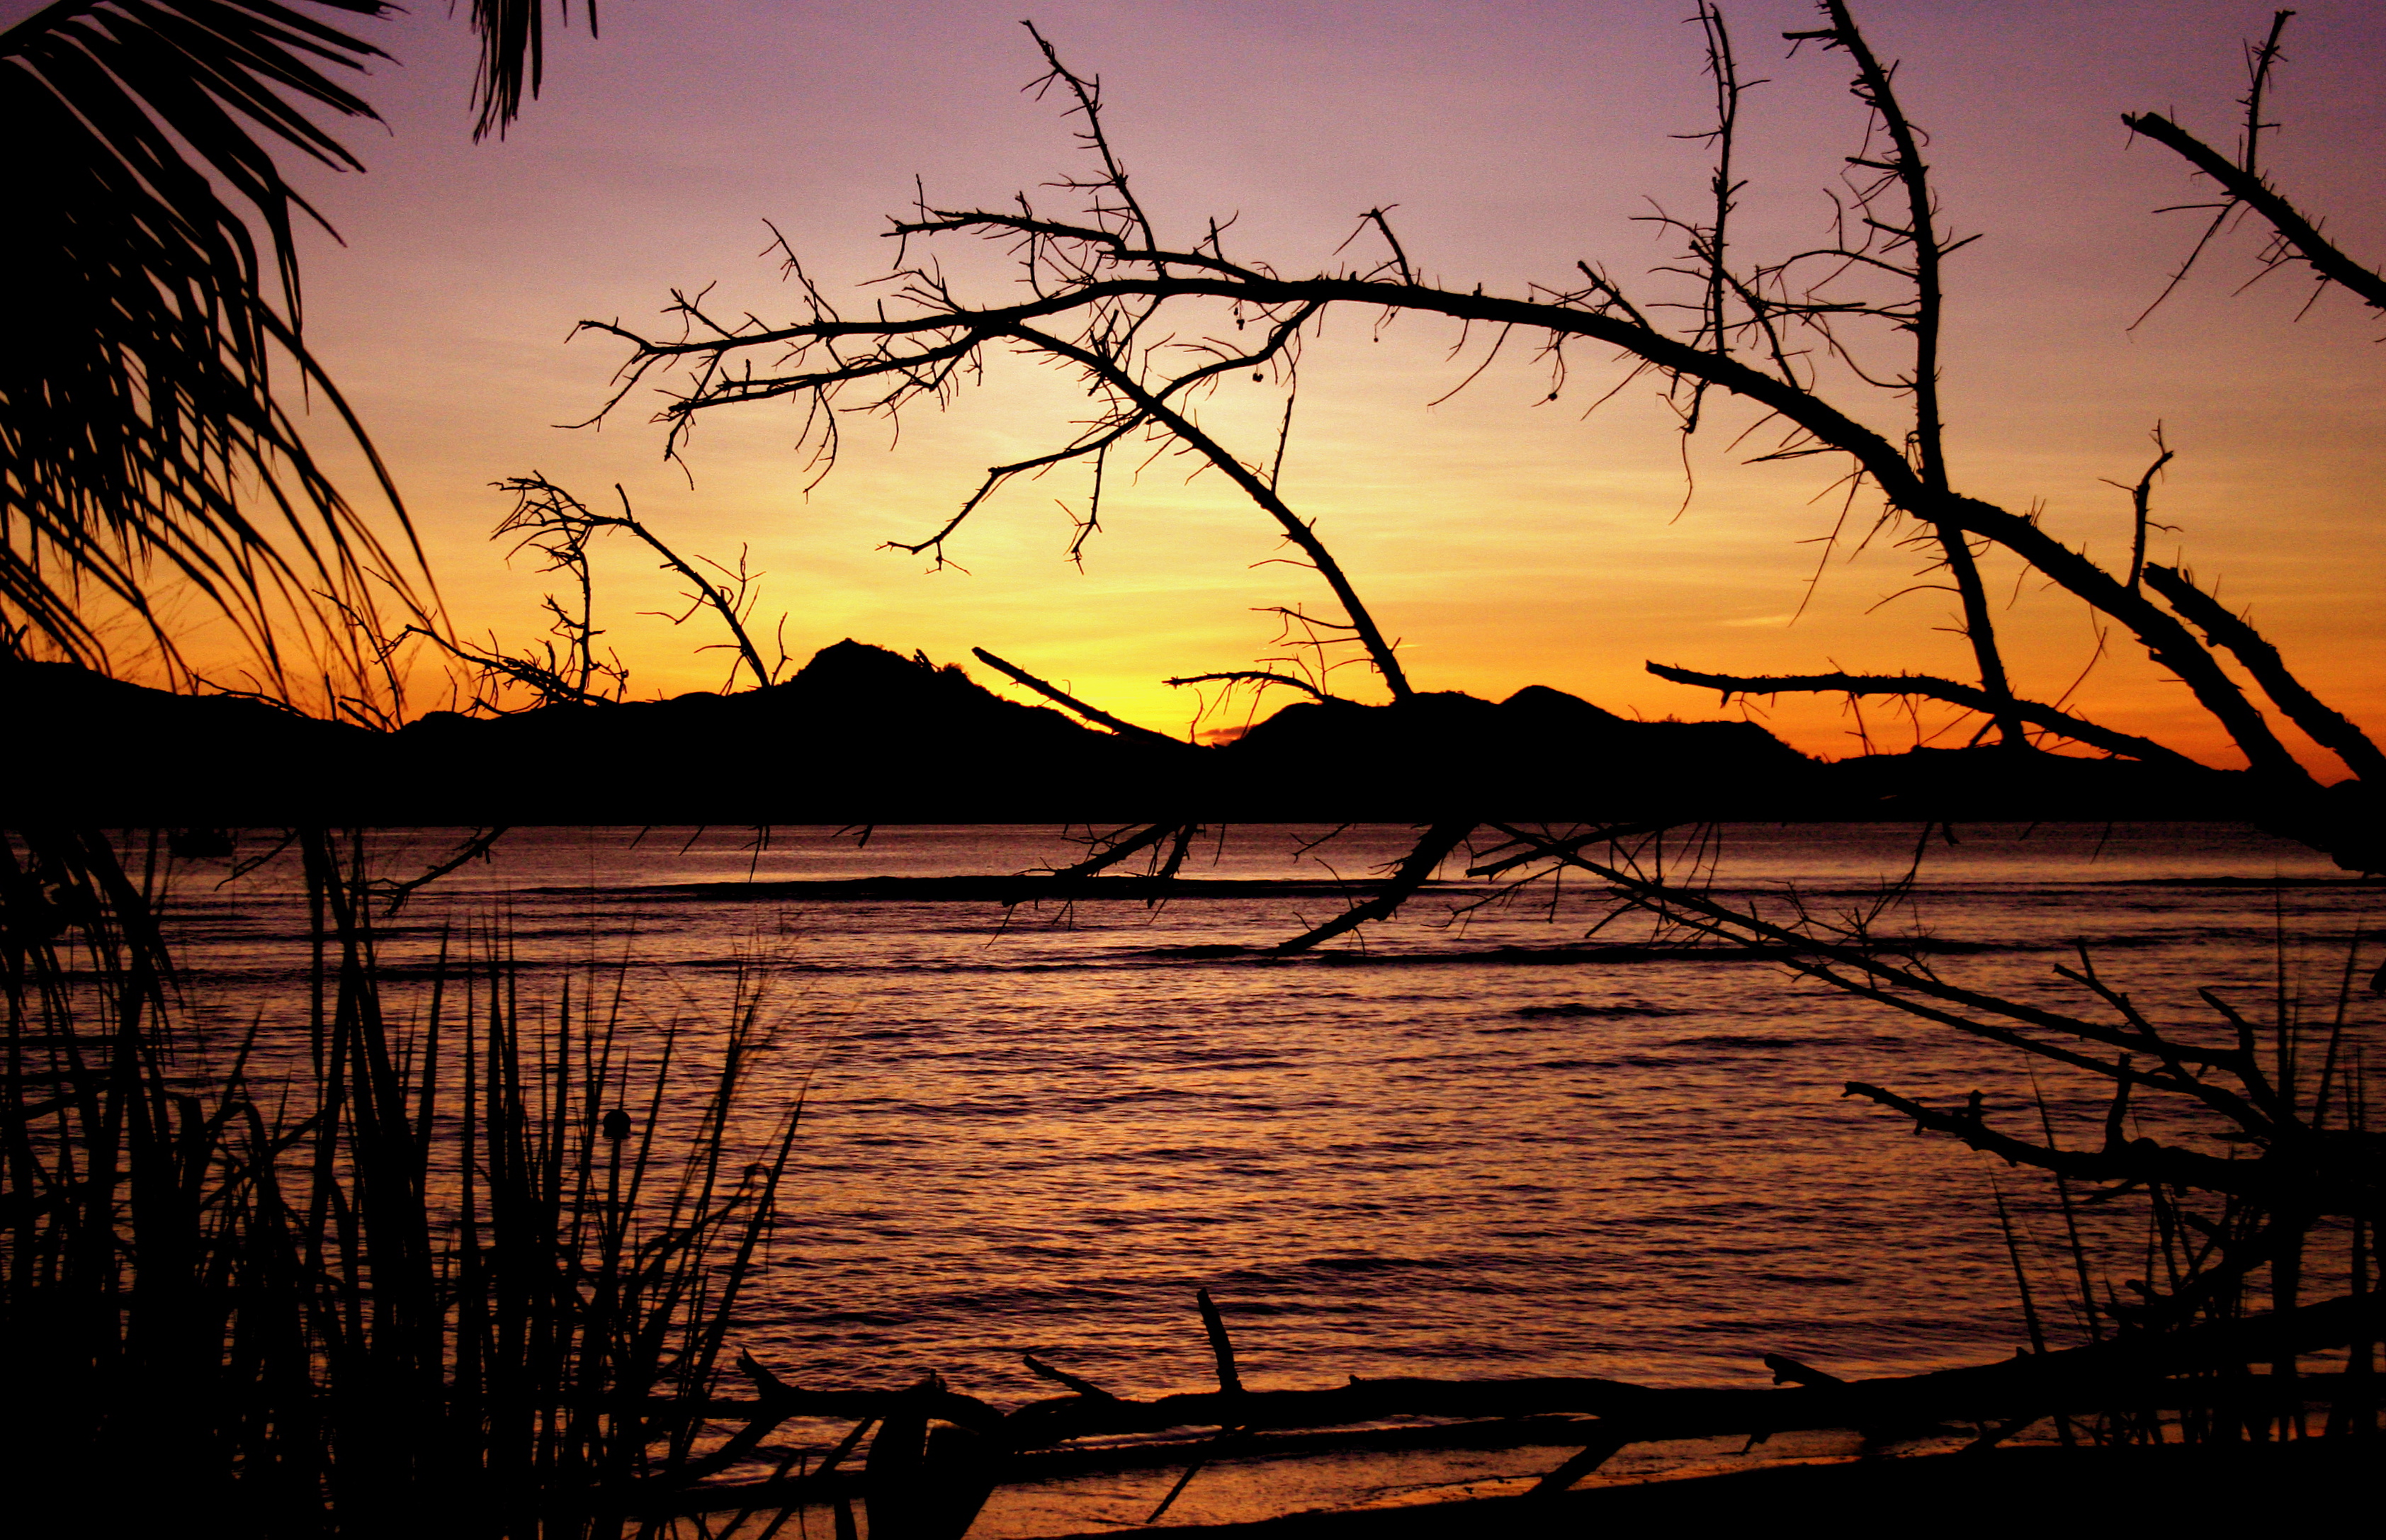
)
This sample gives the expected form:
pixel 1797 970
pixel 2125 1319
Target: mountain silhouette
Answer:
pixel 863 734
pixel 1540 753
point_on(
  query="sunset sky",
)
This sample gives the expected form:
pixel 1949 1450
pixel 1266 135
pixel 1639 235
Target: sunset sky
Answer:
pixel 1507 539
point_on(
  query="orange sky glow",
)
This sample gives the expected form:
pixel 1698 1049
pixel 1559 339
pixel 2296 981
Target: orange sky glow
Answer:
pixel 1507 539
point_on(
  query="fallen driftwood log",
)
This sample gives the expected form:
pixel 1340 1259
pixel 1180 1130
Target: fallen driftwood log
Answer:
pixel 921 1483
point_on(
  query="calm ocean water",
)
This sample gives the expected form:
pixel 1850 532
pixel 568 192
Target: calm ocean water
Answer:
pixel 1472 1148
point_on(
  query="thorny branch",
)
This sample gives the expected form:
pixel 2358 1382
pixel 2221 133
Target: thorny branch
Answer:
pixel 2048 718
pixel 1098 284
pixel 1927 249
pixel 1251 676
pixel 1798 342
pixel 2303 1165
pixel 2323 724
pixel 1764 334
pixel 2142 499
pixel 1414 870
pixel 1824 424
pixel 1058 697
pixel 558 526
pixel 1096 288
pixel 2295 236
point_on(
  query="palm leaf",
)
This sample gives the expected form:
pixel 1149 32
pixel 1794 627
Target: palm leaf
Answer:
pixel 142 434
pixel 513 53
pixel 141 431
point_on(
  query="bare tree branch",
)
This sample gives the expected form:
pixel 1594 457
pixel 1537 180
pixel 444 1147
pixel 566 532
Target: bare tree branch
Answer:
pixel 2326 727
pixel 1251 676
pixel 1920 236
pixel 1414 870
pixel 1295 528
pixel 2142 498
pixel 1058 697
pixel 2273 1181
pixel 2255 193
pixel 2075 728
pixel 2167 640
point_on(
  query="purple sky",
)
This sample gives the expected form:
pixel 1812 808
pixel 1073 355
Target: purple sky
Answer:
pixel 1507 541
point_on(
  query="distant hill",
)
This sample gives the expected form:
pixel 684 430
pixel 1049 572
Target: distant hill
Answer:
pixel 863 734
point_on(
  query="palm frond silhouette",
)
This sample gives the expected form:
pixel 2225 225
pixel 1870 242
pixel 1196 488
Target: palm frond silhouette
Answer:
pixel 150 431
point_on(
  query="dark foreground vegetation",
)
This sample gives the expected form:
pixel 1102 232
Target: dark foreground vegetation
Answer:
pixel 422 1260
pixel 443 1253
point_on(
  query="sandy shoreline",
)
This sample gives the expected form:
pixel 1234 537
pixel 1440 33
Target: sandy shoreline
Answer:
pixel 2049 1490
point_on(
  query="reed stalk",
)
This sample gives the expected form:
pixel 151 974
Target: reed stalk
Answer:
pixel 432 1264
pixel 2205 1258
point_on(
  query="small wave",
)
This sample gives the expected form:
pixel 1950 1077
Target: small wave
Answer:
pixel 2245 882
pixel 1579 1008
pixel 858 1318
pixel 1193 954
pixel 1026 888
pixel 1545 956
pixel 1369 1263
pixel 1751 1040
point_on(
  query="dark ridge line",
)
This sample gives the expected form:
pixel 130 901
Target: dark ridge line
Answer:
pixel 1521 957
pixel 1012 889
pixel 2244 883
pixel 1000 890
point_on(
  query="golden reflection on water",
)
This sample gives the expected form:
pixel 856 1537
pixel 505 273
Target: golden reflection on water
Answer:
pixel 1040 1130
